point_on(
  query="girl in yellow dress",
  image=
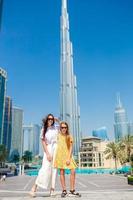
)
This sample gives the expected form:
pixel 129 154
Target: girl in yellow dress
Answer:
pixel 64 159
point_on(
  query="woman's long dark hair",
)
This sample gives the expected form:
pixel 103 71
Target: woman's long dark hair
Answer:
pixel 45 124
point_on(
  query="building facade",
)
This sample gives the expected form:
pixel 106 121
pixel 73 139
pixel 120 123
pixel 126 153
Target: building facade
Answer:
pixel 17 130
pixel 7 128
pixel 3 78
pixel 92 155
pixel 31 138
pixel 101 133
pixel 121 121
pixel 130 128
pixel 69 107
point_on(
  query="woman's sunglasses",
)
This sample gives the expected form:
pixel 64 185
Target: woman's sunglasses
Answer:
pixel 52 119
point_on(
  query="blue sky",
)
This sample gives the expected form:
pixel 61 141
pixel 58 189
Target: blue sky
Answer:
pixel 102 36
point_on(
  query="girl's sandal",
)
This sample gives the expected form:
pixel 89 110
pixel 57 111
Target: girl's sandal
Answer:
pixel 75 194
pixel 64 193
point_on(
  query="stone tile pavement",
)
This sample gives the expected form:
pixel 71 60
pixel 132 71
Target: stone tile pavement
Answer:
pixel 91 187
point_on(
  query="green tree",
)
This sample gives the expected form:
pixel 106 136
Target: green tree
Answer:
pixel 122 156
pixel 3 154
pixel 112 150
pixel 127 145
pixel 27 157
pixel 131 162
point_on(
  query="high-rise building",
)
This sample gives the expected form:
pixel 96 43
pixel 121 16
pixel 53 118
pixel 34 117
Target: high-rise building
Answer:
pixel 1 6
pixel 130 128
pixel 69 108
pixel 31 138
pixel 101 133
pixel 7 127
pixel 41 150
pixel 92 154
pixel 3 77
pixel 121 121
pixel 17 130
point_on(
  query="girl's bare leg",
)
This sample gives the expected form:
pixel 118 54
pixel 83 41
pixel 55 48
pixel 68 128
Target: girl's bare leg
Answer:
pixel 72 180
pixel 62 179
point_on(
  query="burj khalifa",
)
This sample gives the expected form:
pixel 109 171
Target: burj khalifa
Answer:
pixel 69 107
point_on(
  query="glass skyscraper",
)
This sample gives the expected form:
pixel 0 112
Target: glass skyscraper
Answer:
pixel 31 138
pixel 3 77
pixel 101 133
pixel 7 128
pixel 121 121
pixel 130 128
pixel 17 130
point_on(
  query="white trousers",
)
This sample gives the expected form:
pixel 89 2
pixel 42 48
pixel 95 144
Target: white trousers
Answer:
pixel 47 174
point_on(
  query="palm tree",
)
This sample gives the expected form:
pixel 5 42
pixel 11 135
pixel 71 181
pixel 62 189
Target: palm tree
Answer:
pixel 3 154
pixel 131 161
pixel 122 156
pixel 127 145
pixel 112 150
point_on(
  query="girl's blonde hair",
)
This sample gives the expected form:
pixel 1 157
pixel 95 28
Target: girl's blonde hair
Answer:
pixel 68 138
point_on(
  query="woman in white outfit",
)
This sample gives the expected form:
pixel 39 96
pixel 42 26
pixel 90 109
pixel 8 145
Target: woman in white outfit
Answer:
pixel 47 174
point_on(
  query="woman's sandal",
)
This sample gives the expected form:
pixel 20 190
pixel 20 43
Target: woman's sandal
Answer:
pixel 32 194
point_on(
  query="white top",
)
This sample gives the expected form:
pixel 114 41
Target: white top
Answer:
pixel 51 134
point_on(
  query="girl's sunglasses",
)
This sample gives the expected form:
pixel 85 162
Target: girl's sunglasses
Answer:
pixel 63 127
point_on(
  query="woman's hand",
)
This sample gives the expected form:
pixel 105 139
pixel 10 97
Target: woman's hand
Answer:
pixel 49 157
pixel 56 120
pixel 68 162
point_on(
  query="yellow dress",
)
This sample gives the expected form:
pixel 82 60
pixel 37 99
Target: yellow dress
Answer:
pixel 62 153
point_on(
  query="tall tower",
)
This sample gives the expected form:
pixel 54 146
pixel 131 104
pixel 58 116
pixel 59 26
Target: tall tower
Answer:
pixel 31 139
pixel 17 130
pixel 121 121
pixel 7 125
pixel 3 78
pixel 69 108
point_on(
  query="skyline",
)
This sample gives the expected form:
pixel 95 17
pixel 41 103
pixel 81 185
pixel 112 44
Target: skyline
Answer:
pixel 103 49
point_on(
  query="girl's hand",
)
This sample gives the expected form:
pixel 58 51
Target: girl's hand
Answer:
pixel 49 157
pixel 68 162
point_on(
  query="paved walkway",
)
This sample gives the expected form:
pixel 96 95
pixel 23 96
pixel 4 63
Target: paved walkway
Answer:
pixel 92 187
